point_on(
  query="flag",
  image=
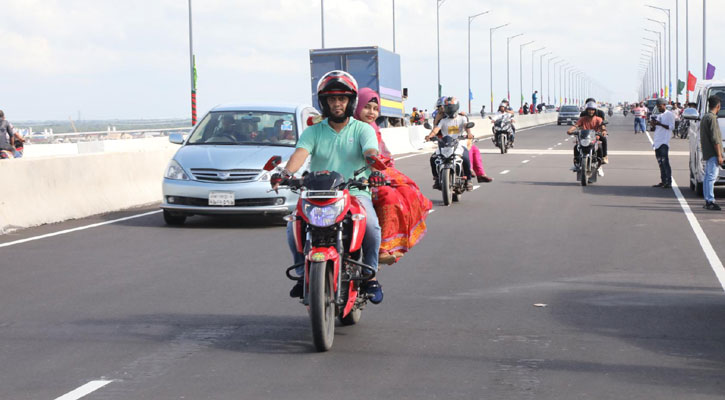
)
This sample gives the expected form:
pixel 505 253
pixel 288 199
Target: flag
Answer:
pixel 680 86
pixel 662 92
pixel 470 94
pixel 691 81
pixel 667 91
pixel 710 72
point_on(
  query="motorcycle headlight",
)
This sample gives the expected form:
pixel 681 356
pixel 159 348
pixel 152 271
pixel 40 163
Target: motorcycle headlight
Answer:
pixel 323 216
pixel 586 139
pixel 174 171
pixel 447 151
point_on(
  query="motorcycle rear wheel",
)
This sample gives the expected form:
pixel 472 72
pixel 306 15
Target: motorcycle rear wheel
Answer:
pixel 446 186
pixel 322 306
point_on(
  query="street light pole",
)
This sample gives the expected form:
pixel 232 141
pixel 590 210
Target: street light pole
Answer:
pixel 439 3
pixel 191 68
pixel 508 81
pixel 660 57
pixel 704 40
pixel 490 55
pixel 393 26
pixel 470 18
pixel 669 49
pixel 687 49
pixel 533 63
pixel 541 75
pixel 322 21
pixel 555 64
pixel 548 80
pixel 521 70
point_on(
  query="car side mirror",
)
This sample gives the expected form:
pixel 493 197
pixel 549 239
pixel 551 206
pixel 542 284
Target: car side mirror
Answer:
pixel 273 163
pixel 176 138
pixel 691 114
pixel 470 125
pixel 427 126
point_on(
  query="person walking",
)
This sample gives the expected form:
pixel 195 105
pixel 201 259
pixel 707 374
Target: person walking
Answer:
pixel 534 98
pixel 711 143
pixel 639 118
pixel 663 125
pixel 6 134
pixel 483 111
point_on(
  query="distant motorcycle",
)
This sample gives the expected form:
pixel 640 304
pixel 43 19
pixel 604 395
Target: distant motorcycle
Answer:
pixel 449 164
pixel 610 112
pixel 589 164
pixel 625 112
pixel 502 130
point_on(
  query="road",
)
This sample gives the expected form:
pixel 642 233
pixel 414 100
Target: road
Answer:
pixel 629 305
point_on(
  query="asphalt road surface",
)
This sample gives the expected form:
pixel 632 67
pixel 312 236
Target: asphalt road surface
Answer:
pixel 629 306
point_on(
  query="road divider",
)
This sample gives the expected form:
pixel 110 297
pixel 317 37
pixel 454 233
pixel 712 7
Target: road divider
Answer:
pixel 90 178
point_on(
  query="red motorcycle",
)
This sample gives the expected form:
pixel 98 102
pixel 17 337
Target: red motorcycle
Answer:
pixel 328 227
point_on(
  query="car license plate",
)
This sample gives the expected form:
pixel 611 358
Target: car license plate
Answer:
pixel 221 198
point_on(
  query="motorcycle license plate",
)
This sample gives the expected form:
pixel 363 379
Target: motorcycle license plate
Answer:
pixel 221 198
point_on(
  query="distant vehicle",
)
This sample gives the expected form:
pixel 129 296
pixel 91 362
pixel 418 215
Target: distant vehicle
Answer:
pixel 650 104
pixel 703 90
pixel 568 114
pixel 219 167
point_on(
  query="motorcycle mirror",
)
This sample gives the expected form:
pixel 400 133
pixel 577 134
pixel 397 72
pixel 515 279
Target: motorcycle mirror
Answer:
pixel 470 125
pixel 605 123
pixel 427 126
pixel 273 163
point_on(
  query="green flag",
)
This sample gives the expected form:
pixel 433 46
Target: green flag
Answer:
pixel 680 86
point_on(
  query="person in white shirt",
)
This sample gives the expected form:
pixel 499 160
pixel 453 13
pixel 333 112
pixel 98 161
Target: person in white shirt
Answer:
pixel 663 125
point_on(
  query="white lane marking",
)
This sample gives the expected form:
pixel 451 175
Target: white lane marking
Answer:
pixel 84 390
pixel 712 257
pixel 505 172
pixel 558 144
pixel 431 211
pixel 80 228
pixel 525 161
pixel 550 148
pixel 566 140
pixel 476 187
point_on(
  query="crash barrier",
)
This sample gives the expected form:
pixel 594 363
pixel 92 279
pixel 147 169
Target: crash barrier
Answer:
pixel 54 189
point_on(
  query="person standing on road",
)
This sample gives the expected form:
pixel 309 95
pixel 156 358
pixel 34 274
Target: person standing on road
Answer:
pixel 639 118
pixel 711 143
pixel 534 98
pixel 483 111
pixel 6 134
pixel 663 125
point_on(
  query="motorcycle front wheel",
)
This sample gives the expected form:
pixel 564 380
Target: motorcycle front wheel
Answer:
pixel 446 186
pixel 322 306
pixel 586 167
pixel 502 143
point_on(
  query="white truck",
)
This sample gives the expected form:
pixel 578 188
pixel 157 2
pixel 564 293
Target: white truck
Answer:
pixel 703 91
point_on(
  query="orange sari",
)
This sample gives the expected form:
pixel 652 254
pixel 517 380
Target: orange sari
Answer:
pixel 401 208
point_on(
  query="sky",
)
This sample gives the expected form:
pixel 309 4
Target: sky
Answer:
pixel 109 59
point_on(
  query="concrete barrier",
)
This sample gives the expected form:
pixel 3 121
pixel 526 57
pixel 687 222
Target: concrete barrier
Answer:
pixel 99 177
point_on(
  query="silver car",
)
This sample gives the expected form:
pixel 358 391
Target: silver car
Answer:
pixel 219 167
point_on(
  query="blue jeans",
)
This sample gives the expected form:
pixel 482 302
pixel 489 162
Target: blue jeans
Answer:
pixel 712 171
pixel 663 159
pixel 639 125
pixel 370 244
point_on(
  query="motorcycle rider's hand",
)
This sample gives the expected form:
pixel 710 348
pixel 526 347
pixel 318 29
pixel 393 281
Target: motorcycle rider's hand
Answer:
pixel 278 177
pixel 470 136
pixel 376 179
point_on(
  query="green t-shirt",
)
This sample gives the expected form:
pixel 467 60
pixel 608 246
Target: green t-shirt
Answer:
pixel 342 152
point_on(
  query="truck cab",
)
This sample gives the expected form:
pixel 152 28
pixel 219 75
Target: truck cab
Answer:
pixel 703 91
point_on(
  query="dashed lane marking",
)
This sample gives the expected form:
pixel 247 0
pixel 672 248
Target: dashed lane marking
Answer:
pixel 84 390
pixel 525 161
pixel 504 172
pixel 476 187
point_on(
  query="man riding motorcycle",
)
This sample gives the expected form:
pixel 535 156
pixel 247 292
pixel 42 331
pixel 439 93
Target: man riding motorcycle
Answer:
pixel 592 121
pixel 452 124
pixel 603 139
pixel 502 111
pixel 339 143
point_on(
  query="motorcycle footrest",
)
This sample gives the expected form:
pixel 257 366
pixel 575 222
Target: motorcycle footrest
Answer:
pixel 368 271
pixel 290 269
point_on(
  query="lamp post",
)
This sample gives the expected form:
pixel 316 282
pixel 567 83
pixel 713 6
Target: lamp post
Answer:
pixel 393 26
pixel 669 46
pixel 548 79
pixel 533 85
pixel 490 55
pixel 657 59
pixel 191 68
pixel 508 72
pixel 322 21
pixel 561 83
pixel 521 70
pixel 439 3
pixel 555 64
pixel 471 18
pixel 541 75
pixel 704 40
pixel 668 66
pixel 687 49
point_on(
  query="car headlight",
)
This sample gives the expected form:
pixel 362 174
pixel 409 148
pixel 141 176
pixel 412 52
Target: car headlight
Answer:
pixel 174 171
pixel 323 216
pixel 264 177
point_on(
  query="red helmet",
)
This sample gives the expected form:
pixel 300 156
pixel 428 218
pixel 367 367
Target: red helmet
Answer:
pixel 337 83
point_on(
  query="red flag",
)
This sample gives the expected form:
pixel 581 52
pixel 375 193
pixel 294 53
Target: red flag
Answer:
pixel 691 81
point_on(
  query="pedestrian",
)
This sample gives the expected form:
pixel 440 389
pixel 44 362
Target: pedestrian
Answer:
pixel 534 98
pixel 483 111
pixel 540 107
pixel 663 124
pixel 639 118
pixel 526 108
pixel 6 134
pixel 711 144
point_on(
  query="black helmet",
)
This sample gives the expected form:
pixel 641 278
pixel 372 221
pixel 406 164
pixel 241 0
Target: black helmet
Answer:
pixel 451 106
pixel 591 99
pixel 337 83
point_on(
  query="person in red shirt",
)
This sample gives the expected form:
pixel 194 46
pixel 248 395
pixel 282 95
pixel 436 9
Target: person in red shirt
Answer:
pixel 589 122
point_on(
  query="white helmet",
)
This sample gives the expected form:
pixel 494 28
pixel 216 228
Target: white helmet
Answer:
pixel 591 105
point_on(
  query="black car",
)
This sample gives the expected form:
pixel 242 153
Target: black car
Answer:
pixel 568 114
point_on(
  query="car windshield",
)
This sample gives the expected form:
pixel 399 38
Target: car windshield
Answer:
pixel 569 109
pixel 719 92
pixel 246 128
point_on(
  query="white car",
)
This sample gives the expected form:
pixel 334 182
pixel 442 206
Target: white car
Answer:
pixel 218 169
pixel 703 90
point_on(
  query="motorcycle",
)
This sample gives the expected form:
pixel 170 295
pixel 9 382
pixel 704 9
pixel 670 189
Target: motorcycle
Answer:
pixel 589 163
pixel 502 130
pixel 610 112
pixel 449 164
pixel 682 128
pixel 625 112
pixel 328 226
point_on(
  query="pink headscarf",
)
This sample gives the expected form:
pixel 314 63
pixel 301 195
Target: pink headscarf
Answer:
pixel 365 96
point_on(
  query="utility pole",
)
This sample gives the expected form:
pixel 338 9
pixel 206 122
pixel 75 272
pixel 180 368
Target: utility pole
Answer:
pixel 521 70
pixel 192 70
pixel 490 56
pixel 471 18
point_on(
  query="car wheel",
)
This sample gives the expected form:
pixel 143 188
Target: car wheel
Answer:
pixel 174 219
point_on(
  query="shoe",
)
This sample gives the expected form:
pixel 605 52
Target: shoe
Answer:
pixel 484 178
pixel 600 171
pixel 374 292
pixel 437 185
pixel 298 290
pixel 605 160
pixel 659 185
pixel 667 186
pixel 712 206
pixel 574 168
pixel 386 258
pixel 469 185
